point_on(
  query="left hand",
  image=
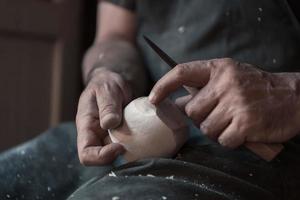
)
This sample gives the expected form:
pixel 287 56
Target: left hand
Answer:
pixel 236 102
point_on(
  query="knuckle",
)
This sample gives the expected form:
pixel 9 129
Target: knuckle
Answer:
pixel 89 90
pixel 243 124
pixel 107 108
pixel 107 89
pixel 158 89
pixel 228 61
pixel 227 64
pixel 117 78
pixel 213 64
pixel 83 158
pixel 247 117
pixel 180 70
pixel 103 87
pixel 205 129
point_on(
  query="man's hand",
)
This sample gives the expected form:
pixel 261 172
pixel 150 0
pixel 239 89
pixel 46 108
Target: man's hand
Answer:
pixel 99 109
pixel 236 102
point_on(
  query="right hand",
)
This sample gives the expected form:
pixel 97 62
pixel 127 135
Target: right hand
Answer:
pixel 99 109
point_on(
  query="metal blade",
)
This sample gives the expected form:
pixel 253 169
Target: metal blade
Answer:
pixel 161 53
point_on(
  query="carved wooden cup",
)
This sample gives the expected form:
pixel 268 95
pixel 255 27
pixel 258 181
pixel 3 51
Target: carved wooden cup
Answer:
pixel 150 131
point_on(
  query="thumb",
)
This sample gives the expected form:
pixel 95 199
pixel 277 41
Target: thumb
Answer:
pixel 109 100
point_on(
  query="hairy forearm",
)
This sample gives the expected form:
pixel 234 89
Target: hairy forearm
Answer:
pixel 118 56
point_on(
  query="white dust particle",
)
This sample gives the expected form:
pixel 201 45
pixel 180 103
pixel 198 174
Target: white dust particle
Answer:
pixel 112 174
pixel 8 196
pixel 170 177
pixel 150 175
pixel 181 29
pixel 260 9
pixel 23 152
pixel 164 197
pixel 48 189
pixel 115 198
pixel 274 60
pixel 69 166
pixel 196 195
pixel 259 19
pixel 250 174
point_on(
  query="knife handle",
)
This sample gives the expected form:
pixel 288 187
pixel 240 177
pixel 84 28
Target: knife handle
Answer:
pixel 266 151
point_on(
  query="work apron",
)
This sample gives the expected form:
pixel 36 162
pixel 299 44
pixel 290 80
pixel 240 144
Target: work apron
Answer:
pixel 264 33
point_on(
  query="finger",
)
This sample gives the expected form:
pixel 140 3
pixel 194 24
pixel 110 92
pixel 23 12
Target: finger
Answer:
pixel 182 101
pixel 230 137
pixel 87 105
pixel 87 117
pixel 100 155
pixel 216 122
pixel 199 107
pixel 91 151
pixel 109 100
pixel 194 74
pixel 90 135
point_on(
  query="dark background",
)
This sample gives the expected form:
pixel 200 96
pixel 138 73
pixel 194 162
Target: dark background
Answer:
pixel 41 47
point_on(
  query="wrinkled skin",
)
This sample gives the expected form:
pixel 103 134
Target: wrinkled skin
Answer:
pixel 100 108
pixel 236 102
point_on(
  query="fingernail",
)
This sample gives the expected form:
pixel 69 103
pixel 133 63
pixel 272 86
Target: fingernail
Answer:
pixel 152 97
pixel 222 141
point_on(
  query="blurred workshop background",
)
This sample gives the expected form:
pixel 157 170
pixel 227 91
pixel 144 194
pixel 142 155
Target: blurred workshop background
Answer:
pixel 41 47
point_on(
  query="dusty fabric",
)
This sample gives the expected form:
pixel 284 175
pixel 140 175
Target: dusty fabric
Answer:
pixel 200 172
pixel 46 167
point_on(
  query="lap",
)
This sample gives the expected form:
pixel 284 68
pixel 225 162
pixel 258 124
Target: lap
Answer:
pixel 46 167
pixel 201 172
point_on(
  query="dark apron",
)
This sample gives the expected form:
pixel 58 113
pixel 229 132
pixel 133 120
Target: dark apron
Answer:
pixel 264 33
pixel 260 32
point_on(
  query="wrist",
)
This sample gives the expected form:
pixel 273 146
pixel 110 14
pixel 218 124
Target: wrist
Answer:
pixel 95 72
pixel 293 82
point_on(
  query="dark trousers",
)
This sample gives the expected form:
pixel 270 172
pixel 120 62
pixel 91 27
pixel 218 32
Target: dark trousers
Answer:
pixel 47 167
